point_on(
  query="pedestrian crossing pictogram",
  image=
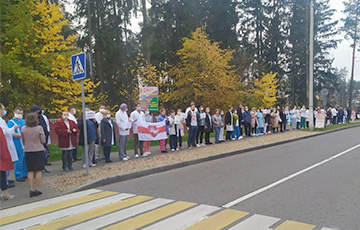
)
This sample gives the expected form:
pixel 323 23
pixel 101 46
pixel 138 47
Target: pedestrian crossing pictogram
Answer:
pixel 97 209
pixel 78 69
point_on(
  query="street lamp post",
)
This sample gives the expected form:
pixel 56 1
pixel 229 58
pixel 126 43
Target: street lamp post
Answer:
pixel 311 67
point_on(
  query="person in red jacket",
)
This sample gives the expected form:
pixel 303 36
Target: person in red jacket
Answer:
pixel 67 131
pixel 5 165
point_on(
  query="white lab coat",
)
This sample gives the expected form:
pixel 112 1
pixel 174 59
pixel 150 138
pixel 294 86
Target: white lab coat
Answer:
pixel 8 132
pixel 136 115
pixel 122 121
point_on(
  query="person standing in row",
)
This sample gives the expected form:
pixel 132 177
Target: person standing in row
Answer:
pixel 136 115
pixel 260 121
pixel 180 126
pixel 162 117
pixel 33 137
pixel 240 110
pixel 72 112
pixel 67 131
pixel 282 120
pixel 124 124
pixel 99 116
pixel 236 132
pixel 303 117
pixel 222 128
pixel 247 121
pixel 5 165
pixel 172 131
pixel 147 144
pixel 201 126
pixel 229 121
pixel 217 123
pixel 92 138
pixel 208 126
pixel 107 133
pixel 19 165
pixel 193 117
pixel 294 114
pixel 8 132
pixel 253 122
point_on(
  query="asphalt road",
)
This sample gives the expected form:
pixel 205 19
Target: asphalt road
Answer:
pixel 326 195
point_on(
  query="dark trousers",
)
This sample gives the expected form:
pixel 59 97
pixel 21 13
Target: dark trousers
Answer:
pixel 228 135
pixel 207 138
pixel 74 153
pixel 107 150
pixel 247 128
pixel 192 135
pixel 138 143
pixel 3 180
pixel 334 119
pixel 281 127
pixel 200 133
pixel 172 142
pixel 180 139
pixel 66 158
pixel 240 126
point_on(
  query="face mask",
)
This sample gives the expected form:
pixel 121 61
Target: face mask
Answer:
pixel 126 110
pixel 208 111
pixel 246 110
pixel 4 113
pixel 173 114
pixel 65 117
pixel 179 113
pixel 222 113
pixel 74 111
pixel 138 108
pixel 147 112
pixel 42 112
pixel 108 116
pixel 102 110
pixel 18 116
pixel 201 109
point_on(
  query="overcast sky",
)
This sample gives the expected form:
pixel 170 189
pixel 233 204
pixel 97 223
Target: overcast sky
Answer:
pixel 343 53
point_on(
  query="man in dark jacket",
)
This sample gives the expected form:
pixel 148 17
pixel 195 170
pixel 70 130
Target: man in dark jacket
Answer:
pixel 241 118
pixel 92 138
pixel 229 121
pixel 247 121
pixel 107 133
pixel 192 120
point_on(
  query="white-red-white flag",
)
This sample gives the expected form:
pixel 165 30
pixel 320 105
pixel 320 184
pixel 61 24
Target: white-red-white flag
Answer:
pixel 151 131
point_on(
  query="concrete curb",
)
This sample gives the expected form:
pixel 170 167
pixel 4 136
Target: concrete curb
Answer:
pixel 129 176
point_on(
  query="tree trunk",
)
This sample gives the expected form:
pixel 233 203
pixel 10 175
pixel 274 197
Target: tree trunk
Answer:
pixel 90 34
pixel 353 64
pixel 145 34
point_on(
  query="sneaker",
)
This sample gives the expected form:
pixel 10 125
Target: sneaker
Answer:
pixel 233 139
pixel 149 153
pixel 197 145
pixel 125 159
pixel 37 193
pixel 136 155
pixel 92 165
pixel 190 147
pixel 32 193
pixel 172 150
pixel 84 166
pixel 177 149
pixel 5 197
pixel 66 169
pixel 241 137
pixel 164 151
pixel 203 144
pixel 128 157
pixel 144 155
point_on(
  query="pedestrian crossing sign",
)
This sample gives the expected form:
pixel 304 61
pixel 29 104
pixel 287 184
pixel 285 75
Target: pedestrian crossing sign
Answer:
pixel 78 66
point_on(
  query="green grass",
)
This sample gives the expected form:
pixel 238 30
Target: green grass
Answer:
pixel 337 126
pixel 55 152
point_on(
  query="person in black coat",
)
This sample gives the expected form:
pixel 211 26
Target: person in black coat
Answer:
pixel 208 126
pixel 229 121
pixel 107 134
pixel 282 118
pixel 241 118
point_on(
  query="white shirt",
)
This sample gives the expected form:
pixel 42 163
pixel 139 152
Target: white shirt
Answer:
pixel 8 132
pixel 188 109
pixel 294 113
pixel 334 112
pixel 122 121
pixel 136 115
pixel 72 118
pixel 303 112
pixel 99 116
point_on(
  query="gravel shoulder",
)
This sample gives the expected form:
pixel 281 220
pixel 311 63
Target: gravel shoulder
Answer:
pixel 69 181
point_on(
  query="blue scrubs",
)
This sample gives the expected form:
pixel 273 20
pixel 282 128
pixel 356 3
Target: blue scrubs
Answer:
pixel 20 168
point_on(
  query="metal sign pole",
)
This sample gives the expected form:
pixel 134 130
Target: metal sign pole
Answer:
pixel 85 129
pixel 311 69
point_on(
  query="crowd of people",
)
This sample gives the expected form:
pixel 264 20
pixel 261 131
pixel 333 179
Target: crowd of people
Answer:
pixel 24 142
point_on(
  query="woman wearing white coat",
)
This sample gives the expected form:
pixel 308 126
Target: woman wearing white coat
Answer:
pixel 124 124
pixel 8 132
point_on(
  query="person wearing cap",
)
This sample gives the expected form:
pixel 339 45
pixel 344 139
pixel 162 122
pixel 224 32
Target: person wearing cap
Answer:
pixel 37 110
pixel 124 124
pixel 8 132
pixel 99 116
pixel 20 168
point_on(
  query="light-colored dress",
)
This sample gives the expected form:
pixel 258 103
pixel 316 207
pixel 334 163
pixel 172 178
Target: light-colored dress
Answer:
pixel 260 119
pixel 253 119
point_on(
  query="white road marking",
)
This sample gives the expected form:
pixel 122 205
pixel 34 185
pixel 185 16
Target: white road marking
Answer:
pixel 184 219
pixel 328 229
pixel 52 216
pixel 258 222
pixel 43 203
pixel 123 214
pixel 241 199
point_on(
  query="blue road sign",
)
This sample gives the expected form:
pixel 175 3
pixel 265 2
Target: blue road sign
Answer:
pixel 78 66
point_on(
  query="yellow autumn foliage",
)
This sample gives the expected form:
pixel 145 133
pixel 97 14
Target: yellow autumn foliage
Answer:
pixel 265 90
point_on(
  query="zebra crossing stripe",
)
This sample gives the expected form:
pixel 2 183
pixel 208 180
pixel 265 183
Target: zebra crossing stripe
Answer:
pixel 152 216
pixel 121 215
pixel 219 220
pixel 96 212
pixel 293 225
pixel 54 207
pixel 184 219
pixel 43 203
pixel 259 222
